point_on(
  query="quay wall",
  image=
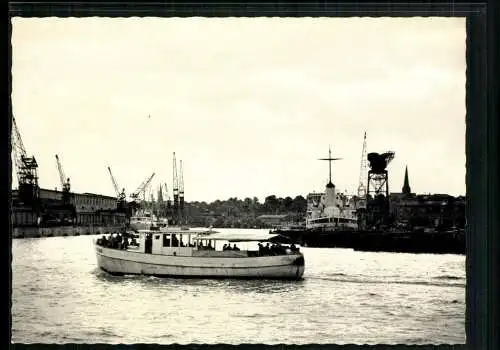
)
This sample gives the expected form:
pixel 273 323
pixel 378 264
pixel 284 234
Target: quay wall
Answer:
pixel 380 241
pixel 37 232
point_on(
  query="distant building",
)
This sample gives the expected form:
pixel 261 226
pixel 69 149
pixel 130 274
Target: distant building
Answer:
pixel 406 190
pixel 83 202
pixel 274 220
pixel 89 208
pixel 433 210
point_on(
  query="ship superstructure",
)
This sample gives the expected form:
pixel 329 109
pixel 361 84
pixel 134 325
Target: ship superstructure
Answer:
pixel 330 210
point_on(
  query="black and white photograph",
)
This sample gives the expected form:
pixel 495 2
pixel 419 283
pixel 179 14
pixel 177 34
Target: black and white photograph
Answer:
pixel 271 180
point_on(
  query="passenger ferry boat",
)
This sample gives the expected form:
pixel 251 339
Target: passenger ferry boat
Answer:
pixel 192 253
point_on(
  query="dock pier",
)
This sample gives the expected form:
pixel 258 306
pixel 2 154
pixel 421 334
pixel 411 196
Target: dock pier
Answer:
pixel 38 232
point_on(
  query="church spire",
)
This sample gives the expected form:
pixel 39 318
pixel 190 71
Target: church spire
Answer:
pixel 406 185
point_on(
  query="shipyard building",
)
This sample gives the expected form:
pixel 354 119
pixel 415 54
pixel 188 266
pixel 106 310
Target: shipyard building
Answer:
pixel 83 209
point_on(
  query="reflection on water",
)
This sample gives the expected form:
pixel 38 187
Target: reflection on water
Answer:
pixel 232 285
pixel 60 296
pixel 248 286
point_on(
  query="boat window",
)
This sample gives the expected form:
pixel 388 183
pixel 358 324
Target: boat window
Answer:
pixel 175 241
pixel 166 241
pixel 320 221
pixel 157 237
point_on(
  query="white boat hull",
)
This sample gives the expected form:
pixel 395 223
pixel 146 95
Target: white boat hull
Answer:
pixel 120 262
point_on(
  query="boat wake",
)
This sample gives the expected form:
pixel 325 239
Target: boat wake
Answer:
pixel 361 280
pixel 449 277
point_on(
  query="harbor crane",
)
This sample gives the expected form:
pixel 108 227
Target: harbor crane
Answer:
pixel 121 197
pixel 142 188
pixel 175 214
pixel 65 183
pixel 26 169
pixel 362 175
pixel 378 188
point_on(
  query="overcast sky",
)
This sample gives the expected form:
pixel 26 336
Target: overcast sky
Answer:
pixel 249 105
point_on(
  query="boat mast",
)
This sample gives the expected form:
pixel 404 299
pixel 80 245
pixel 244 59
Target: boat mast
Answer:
pixel 330 159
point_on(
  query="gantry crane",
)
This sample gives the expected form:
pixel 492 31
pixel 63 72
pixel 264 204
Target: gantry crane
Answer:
pixel 378 188
pixel 65 183
pixel 121 197
pixel 26 169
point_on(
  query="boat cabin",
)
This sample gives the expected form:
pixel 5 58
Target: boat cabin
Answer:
pixel 200 244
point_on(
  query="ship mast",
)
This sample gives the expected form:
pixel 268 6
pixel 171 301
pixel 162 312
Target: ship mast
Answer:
pixel 330 159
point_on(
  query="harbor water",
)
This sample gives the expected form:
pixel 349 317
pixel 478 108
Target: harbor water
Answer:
pixel 59 296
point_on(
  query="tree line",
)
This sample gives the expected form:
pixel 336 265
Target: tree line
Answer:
pixel 236 206
pixel 236 212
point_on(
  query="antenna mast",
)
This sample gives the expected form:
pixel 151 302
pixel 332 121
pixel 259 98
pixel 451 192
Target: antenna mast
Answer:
pixel 176 191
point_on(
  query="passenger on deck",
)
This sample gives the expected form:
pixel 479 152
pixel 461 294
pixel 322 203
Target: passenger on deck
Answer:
pixel 104 241
pixel 293 248
pixel 261 249
pixel 120 240
pixel 274 249
pixel 224 248
pixel 112 242
pixel 280 249
pixel 134 242
pixel 235 247
pixel 267 249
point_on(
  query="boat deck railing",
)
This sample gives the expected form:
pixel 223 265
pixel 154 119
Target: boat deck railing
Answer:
pixel 273 250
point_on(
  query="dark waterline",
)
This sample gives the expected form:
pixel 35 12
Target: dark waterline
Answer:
pixel 60 296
